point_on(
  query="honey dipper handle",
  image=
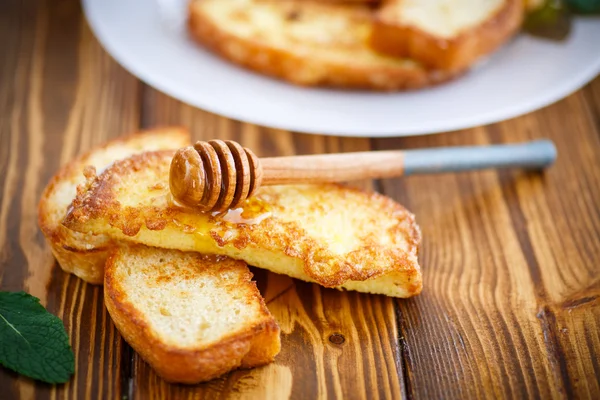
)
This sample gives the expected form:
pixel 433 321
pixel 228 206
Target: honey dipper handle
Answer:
pixel 384 164
pixel 332 167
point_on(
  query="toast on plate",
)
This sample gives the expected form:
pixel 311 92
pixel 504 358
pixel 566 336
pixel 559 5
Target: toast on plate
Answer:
pixel 328 234
pixel 192 317
pixel 450 35
pixel 85 254
pixel 306 43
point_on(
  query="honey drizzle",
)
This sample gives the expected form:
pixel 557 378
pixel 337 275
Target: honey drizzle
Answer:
pixel 252 212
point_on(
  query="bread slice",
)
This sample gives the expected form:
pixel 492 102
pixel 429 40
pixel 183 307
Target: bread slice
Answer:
pixel 85 254
pixel 192 317
pixel 445 34
pixel 328 234
pixel 307 43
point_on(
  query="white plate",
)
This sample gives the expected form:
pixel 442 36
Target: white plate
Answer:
pixel 148 38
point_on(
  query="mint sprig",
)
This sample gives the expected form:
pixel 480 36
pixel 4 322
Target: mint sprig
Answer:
pixel 33 342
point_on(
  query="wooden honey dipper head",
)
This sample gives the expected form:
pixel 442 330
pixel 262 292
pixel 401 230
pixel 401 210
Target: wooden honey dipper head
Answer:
pixel 214 176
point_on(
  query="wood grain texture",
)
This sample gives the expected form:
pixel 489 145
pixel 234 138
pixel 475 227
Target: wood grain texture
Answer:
pixel 511 260
pixel 511 265
pixel 60 94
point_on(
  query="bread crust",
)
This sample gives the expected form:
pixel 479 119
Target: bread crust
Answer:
pixel 84 255
pixel 85 264
pixel 252 347
pixel 304 69
pixel 452 54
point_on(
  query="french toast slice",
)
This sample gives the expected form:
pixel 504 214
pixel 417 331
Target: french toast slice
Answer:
pixel 328 234
pixel 451 35
pixel 192 317
pixel 85 254
pixel 306 43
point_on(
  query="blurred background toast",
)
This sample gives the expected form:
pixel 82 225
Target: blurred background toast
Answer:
pixel 360 44
pixel 445 34
pixel 305 42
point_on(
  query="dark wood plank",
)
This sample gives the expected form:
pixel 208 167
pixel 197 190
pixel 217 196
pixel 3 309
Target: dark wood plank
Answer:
pixel 462 333
pixel 562 229
pixel 335 344
pixel 511 263
pixel 60 94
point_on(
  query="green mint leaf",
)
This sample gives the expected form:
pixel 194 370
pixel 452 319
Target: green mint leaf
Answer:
pixel 33 342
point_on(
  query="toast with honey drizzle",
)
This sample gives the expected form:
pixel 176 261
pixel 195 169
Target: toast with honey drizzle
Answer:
pixel 329 234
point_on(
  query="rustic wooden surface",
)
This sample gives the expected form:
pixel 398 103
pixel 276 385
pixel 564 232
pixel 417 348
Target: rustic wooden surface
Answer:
pixel 511 260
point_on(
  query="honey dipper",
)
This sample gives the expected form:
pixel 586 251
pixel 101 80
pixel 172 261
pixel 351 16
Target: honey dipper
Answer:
pixel 218 175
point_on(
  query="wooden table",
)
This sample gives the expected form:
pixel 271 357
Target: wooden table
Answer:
pixel 511 260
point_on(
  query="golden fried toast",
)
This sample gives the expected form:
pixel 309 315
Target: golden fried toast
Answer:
pixel 192 317
pixel 450 35
pixel 84 254
pixel 305 42
pixel 328 234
